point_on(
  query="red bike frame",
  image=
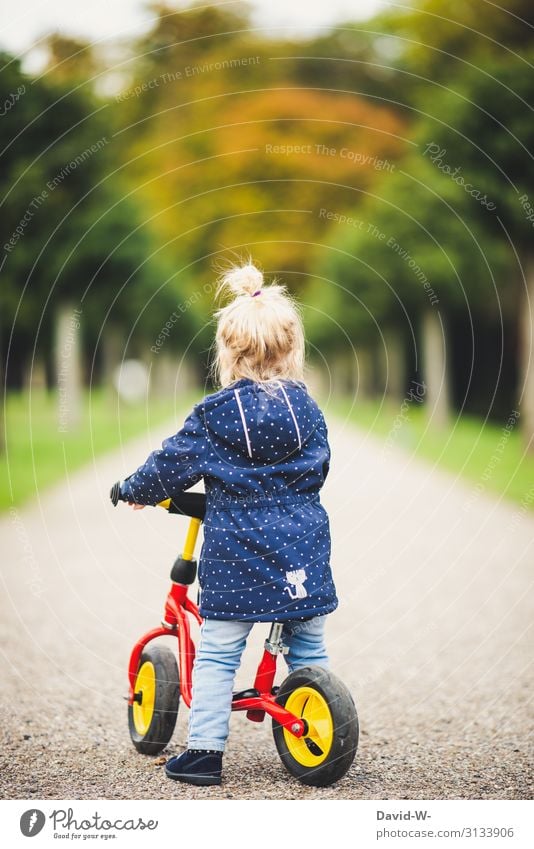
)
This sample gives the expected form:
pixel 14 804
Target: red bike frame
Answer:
pixel 259 700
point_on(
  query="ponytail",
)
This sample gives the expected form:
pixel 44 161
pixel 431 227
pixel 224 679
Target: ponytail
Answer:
pixel 259 334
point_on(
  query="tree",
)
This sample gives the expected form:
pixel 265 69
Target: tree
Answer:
pixel 239 147
pixel 434 42
pixel 74 237
pixel 481 138
pixel 409 259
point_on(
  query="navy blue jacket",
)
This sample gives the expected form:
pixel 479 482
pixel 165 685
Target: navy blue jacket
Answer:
pixel 266 551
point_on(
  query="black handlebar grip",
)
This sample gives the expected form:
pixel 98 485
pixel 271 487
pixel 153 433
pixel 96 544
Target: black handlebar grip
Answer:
pixel 115 493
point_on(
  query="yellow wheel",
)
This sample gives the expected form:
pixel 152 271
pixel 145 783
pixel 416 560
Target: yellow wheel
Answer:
pixel 152 716
pixel 327 749
pixel 311 706
pixel 145 687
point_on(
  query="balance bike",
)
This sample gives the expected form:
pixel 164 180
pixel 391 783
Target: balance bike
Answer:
pixel 314 720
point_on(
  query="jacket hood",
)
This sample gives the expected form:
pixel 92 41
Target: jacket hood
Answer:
pixel 264 427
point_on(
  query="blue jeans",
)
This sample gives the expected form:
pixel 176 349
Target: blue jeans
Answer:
pixel 219 655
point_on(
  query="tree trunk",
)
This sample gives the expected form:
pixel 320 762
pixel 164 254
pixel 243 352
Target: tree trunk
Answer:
pixel 35 376
pixel 363 373
pixel 316 377
pixel 345 373
pixel 393 367
pixel 435 371
pixel 112 342
pixel 3 399
pixel 186 375
pixel 68 367
pixel 526 355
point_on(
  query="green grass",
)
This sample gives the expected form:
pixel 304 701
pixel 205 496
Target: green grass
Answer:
pixel 488 455
pixel 37 454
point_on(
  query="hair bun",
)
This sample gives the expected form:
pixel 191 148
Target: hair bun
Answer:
pixel 243 280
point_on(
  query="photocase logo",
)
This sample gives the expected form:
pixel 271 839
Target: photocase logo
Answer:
pixel 31 822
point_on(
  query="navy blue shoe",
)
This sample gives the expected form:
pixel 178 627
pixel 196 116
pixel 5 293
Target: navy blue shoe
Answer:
pixel 196 766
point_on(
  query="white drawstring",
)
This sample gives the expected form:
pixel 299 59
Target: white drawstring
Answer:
pixel 238 399
pixel 292 414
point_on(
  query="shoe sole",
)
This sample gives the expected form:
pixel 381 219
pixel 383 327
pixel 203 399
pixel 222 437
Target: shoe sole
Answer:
pixel 198 780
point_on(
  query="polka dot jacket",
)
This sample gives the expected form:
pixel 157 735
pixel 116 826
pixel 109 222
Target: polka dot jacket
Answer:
pixel 263 456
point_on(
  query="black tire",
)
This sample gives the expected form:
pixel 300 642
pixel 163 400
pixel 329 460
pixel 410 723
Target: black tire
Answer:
pixel 344 724
pixel 159 729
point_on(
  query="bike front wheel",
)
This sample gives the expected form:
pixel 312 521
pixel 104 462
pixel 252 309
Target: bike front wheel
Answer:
pixel 325 753
pixel 152 716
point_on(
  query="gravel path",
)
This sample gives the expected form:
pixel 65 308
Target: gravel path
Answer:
pixel 432 638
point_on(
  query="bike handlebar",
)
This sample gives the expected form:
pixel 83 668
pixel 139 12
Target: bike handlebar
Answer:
pixel 115 493
pixel 185 503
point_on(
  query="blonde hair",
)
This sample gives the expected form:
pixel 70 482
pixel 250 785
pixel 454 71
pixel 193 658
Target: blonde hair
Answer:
pixel 259 334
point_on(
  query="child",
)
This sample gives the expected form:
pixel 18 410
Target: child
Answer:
pixel 261 446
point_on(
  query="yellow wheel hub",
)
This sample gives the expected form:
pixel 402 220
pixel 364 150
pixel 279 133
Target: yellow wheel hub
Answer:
pixel 308 704
pixel 145 683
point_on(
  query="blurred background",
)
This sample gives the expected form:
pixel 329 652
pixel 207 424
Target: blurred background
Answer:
pixel 376 157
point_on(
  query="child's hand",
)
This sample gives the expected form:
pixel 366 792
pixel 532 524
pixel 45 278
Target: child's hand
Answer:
pixel 136 506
